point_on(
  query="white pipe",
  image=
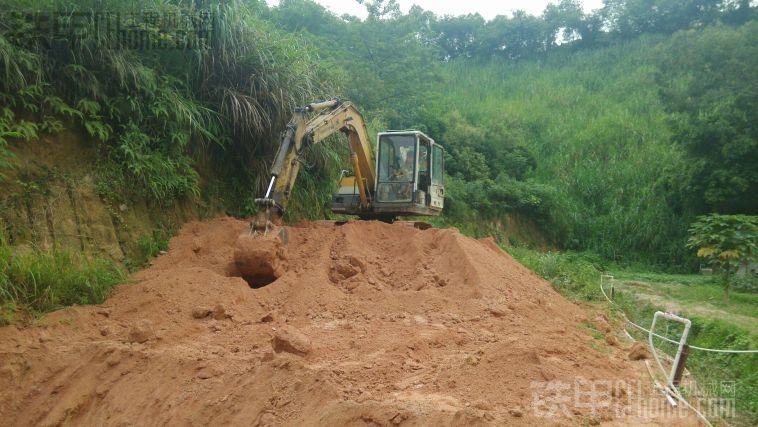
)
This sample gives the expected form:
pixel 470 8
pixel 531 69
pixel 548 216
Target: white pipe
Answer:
pixel 682 341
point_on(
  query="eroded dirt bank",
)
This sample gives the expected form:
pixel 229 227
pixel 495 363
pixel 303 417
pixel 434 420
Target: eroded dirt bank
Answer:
pixel 373 324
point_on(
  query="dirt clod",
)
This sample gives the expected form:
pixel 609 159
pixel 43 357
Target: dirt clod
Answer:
pixel 201 312
pixel 142 331
pixel 638 351
pixel 611 340
pixel 602 324
pixel 290 340
pixel 220 313
pixel 497 312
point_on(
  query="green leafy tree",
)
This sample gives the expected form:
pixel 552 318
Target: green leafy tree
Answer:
pixel 459 36
pixel 725 241
pixel 565 21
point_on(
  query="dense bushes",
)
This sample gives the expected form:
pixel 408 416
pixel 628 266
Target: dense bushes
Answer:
pixel 153 111
pixel 707 81
pixel 599 157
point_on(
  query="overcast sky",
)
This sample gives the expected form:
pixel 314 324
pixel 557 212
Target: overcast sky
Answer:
pixel 487 8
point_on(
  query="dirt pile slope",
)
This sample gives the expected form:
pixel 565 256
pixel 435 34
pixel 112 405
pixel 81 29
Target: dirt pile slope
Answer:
pixel 372 324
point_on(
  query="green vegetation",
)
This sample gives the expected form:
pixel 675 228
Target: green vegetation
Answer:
pixel 570 113
pixel 696 298
pixel 149 247
pixel 153 112
pixel 611 130
pixel 572 274
pixel 725 241
pixel 41 281
pixel 635 273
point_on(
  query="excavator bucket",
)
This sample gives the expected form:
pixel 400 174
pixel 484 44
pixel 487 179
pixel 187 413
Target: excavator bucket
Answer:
pixel 260 254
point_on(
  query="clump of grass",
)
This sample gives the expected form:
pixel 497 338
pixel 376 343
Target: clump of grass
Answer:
pixel 573 274
pixel 549 265
pixel 151 246
pixel 40 281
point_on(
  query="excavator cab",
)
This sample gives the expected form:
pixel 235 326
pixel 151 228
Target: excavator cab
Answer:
pixel 409 179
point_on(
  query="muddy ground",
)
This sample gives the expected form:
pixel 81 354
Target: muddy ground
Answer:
pixel 372 324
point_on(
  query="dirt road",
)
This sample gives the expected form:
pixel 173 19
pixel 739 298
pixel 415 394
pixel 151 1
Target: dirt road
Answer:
pixel 373 324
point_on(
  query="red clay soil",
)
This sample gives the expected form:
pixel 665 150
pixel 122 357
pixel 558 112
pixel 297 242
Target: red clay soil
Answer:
pixel 372 324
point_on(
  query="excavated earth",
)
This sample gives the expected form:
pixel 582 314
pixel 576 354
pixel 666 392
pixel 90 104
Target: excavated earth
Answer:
pixel 372 324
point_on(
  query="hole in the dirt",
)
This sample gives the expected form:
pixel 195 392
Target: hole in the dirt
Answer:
pixel 256 282
pixel 259 261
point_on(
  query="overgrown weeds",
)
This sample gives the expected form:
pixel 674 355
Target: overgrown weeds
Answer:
pixel 148 247
pixel 41 281
pixel 153 115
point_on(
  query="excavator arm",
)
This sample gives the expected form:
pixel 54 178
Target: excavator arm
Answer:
pixel 310 125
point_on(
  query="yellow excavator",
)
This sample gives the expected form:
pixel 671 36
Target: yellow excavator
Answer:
pixel 405 179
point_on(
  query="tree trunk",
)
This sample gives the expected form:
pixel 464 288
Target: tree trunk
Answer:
pixel 727 282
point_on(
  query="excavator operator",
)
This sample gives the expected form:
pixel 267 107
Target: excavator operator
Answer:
pixel 404 170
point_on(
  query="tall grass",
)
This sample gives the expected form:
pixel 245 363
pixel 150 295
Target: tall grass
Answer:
pixel 595 124
pixel 153 112
pixel 42 281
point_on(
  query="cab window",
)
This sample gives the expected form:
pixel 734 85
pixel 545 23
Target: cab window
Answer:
pixel 437 165
pixel 397 157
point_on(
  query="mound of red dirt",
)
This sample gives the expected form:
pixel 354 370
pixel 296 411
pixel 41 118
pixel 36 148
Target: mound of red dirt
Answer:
pixel 372 324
